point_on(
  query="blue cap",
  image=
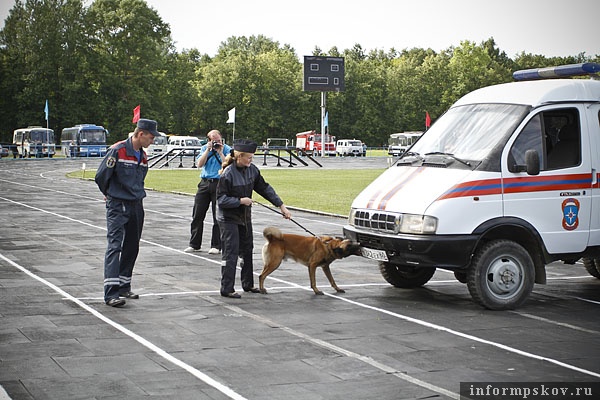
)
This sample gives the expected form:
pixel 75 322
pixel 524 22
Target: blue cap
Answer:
pixel 148 125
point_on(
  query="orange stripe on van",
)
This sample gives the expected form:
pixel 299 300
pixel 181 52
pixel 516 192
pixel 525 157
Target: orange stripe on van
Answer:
pixel 405 179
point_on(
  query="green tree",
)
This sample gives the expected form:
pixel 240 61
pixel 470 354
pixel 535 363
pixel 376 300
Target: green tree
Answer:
pixel 130 44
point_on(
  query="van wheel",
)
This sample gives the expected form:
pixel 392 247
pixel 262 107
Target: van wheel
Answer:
pixel 592 266
pixel 501 275
pixel 404 276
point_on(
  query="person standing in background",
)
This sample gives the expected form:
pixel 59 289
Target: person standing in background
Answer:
pixel 120 177
pixel 210 158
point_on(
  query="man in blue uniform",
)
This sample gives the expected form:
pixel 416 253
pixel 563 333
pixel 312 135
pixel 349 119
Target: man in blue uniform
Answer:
pixel 212 155
pixel 120 178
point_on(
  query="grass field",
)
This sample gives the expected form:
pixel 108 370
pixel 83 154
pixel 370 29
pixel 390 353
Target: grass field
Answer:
pixel 330 191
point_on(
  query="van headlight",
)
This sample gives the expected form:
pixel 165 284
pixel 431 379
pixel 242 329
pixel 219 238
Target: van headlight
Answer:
pixel 389 222
pixel 420 224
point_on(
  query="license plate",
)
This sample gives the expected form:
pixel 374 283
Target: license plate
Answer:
pixel 373 254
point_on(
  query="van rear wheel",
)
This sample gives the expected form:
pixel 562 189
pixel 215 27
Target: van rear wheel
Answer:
pixel 501 275
pixel 404 276
pixel 592 266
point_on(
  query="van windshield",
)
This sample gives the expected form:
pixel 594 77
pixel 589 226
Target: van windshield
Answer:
pixel 471 132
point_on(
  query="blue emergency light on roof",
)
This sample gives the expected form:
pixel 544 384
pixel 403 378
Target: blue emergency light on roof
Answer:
pixel 561 71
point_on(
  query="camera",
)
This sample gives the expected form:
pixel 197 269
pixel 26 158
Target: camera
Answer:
pixel 216 145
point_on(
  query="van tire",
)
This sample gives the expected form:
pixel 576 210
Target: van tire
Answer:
pixel 592 266
pixel 491 263
pixel 403 276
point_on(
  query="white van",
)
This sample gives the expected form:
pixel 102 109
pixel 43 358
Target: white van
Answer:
pixel 190 144
pixel 349 147
pixel 505 182
pixel 159 145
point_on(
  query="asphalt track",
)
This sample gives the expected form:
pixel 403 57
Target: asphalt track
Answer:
pixel 182 340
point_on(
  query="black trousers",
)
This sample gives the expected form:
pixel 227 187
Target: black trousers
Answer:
pixel 237 241
pixel 124 223
pixel 205 196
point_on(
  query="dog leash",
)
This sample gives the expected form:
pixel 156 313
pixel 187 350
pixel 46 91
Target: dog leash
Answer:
pixel 280 213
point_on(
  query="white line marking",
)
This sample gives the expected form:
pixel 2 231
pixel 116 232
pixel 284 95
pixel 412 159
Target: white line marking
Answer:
pixel 203 377
pixel 339 350
pixel 549 321
pixel 393 314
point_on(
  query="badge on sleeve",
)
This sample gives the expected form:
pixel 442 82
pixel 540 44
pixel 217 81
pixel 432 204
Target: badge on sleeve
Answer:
pixel 110 162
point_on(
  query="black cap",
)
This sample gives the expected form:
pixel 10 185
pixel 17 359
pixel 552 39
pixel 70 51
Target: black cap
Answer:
pixel 244 146
pixel 148 125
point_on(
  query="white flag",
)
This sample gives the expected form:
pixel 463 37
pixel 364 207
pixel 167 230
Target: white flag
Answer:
pixel 231 119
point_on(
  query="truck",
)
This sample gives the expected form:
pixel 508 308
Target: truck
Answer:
pixel 502 184
pixel 310 142
pixel 398 143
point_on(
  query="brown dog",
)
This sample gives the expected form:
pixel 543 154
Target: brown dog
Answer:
pixel 311 251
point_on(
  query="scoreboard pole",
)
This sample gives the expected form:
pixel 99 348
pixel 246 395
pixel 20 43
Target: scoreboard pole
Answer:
pixel 323 111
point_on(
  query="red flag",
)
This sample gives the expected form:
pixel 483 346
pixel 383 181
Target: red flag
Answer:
pixel 427 120
pixel 136 114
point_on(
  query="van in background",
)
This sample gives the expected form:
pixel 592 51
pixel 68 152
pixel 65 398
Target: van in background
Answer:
pixel 349 147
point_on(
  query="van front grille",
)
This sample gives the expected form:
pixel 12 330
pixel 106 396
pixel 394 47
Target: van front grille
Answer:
pixel 377 220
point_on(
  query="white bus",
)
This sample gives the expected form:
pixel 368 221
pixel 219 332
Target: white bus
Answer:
pixel 399 142
pixel 86 140
pixel 34 141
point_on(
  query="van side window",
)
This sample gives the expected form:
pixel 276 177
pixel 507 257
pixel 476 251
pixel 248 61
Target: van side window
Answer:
pixel 555 134
pixel 563 138
pixel 529 138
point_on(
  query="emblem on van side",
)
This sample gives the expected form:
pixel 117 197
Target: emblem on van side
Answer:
pixel 570 209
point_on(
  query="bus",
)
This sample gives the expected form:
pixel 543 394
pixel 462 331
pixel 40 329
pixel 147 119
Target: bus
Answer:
pixel 85 140
pixel 399 142
pixel 34 141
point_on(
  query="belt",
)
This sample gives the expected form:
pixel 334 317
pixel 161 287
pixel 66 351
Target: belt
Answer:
pixel 211 179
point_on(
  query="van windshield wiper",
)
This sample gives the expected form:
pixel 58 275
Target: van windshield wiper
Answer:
pixel 468 164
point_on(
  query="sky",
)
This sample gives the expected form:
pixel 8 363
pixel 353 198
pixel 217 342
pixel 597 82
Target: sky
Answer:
pixel 546 27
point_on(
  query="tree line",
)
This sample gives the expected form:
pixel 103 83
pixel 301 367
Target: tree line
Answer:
pixel 96 63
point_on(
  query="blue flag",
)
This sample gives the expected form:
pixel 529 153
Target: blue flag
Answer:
pixel 326 124
pixel 46 110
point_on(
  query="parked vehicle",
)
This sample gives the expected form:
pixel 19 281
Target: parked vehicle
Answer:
pixel 505 182
pixel 190 144
pixel 3 151
pixel 34 141
pixel 310 142
pixel 159 146
pixel 85 140
pixel 400 142
pixel 349 147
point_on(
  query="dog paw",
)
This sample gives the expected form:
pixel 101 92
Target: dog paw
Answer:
pixel 340 290
pixel 319 292
pixel 263 291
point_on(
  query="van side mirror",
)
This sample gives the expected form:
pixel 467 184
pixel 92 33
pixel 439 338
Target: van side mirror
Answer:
pixel 532 163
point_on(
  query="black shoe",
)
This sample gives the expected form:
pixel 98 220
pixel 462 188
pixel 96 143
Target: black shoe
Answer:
pixel 129 295
pixel 115 302
pixel 233 295
pixel 252 290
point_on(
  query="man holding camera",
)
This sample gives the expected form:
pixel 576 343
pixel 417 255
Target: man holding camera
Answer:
pixel 210 159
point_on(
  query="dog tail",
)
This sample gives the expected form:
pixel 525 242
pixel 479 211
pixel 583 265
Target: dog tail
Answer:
pixel 271 233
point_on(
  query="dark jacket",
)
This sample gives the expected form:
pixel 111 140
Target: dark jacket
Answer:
pixel 120 175
pixel 236 183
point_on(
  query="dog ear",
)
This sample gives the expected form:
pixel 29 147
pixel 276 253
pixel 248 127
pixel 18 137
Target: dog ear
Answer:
pixel 326 239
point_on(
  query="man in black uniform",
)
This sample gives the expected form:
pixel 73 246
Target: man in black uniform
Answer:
pixel 120 178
